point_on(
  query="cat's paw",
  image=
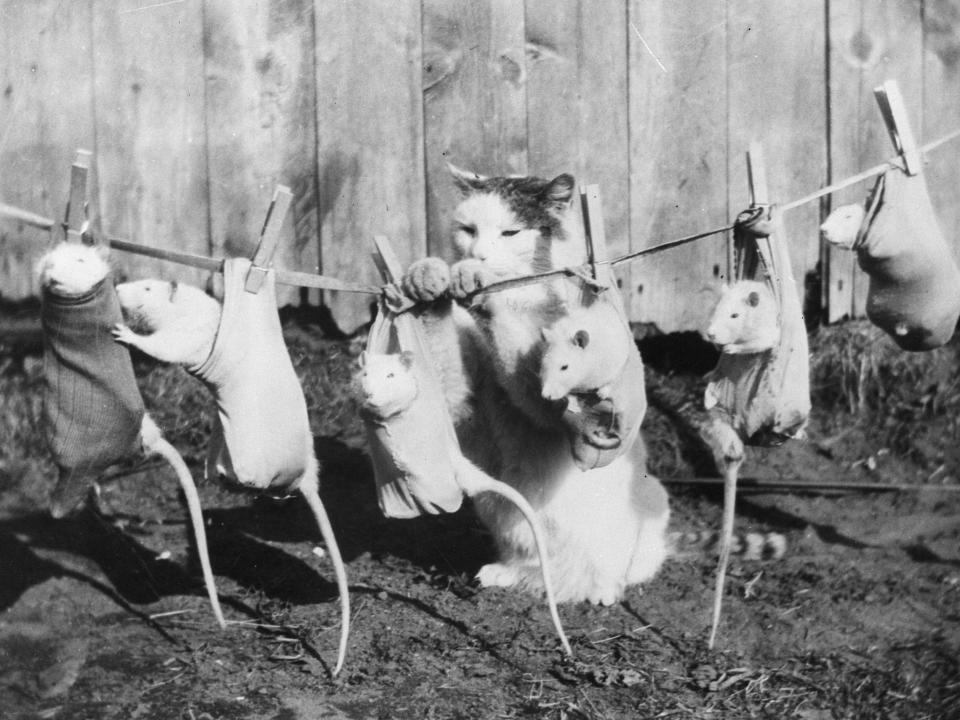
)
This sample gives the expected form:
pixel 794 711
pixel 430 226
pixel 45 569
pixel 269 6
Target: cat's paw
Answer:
pixel 605 596
pixel 468 276
pixel 498 575
pixel 426 280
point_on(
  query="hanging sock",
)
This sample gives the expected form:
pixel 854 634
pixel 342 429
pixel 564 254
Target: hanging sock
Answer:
pixel 914 293
pixel 92 406
pixel 765 396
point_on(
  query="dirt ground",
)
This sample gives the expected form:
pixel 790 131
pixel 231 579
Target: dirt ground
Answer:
pixel 104 614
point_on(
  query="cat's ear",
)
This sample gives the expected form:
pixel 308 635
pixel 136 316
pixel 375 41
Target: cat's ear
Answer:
pixel 406 359
pixel 559 190
pixel 465 180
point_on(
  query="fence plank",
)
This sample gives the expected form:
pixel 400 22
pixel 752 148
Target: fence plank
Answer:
pixel 941 110
pixel 45 115
pixel 474 99
pixel 869 42
pixel 370 140
pixel 678 157
pixel 577 104
pixel 148 74
pixel 788 118
pixel 261 127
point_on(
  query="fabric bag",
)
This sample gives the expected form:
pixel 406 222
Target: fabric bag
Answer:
pixel 765 396
pixel 914 293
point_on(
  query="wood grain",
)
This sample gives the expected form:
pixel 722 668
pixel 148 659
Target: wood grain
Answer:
pixel 151 155
pixel 941 111
pixel 474 99
pixel 261 127
pixel 869 42
pixel 46 114
pixel 678 157
pixel 577 104
pixel 370 141
pixel 787 118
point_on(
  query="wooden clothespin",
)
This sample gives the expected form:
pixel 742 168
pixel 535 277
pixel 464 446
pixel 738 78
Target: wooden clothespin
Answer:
pixel 595 235
pixel 894 112
pixel 757 175
pixel 269 238
pixel 75 219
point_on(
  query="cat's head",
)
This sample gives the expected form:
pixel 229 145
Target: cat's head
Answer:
pixel 516 225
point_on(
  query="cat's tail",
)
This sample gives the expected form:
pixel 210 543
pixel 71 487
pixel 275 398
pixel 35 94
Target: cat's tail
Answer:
pixel 746 546
pixel 475 481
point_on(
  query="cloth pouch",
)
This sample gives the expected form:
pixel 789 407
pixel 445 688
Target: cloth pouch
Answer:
pixel 914 293
pixel 92 405
pixel 261 410
pixel 765 396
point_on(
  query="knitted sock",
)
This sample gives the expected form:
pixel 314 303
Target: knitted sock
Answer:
pixel 92 406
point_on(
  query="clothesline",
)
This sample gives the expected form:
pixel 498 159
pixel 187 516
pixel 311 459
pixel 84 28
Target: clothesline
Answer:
pixel 322 282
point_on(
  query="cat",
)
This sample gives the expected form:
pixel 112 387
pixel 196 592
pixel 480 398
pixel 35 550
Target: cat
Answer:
pixel 606 527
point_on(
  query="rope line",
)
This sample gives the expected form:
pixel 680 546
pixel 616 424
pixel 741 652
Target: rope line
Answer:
pixel 322 282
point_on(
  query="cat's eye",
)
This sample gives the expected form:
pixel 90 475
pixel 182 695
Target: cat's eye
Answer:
pixel 735 315
pixel 468 229
pixel 509 233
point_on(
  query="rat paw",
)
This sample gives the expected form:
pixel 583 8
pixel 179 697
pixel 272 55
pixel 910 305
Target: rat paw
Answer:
pixel 604 596
pixel 498 575
pixel 468 276
pixel 426 279
pixel 123 334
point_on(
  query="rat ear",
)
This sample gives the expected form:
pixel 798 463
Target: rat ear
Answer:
pixel 559 190
pixel 406 359
pixel 581 338
pixel 465 180
pixel 753 299
pixel 362 359
pixel 173 289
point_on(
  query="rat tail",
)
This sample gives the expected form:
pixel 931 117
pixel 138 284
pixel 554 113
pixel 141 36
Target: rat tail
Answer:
pixel 475 481
pixel 311 494
pixel 155 443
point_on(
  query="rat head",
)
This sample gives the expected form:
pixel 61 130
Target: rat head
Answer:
pixel 516 225
pixel 387 382
pixel 563 361
pixel 746 314
pixel 72 270
pixel 146 302
pixel 843 225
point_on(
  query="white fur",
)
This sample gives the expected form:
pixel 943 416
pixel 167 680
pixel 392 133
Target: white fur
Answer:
pixel 745 319
pixel 72 269
pixel 183 320
pixel 843 225
pixel 606 527
pixel 388 385
pixel 584 351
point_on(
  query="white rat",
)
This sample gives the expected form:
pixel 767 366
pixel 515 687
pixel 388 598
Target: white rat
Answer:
pixel 745 319
pixel 843 225
pixel 584 351
pixel 72 271
pixel 182 320
pixel 389 394
pixel 184 323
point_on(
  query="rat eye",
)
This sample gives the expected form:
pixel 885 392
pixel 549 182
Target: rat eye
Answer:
pixel 389 376
pixel 735 315
pixel 564 368
pixel 469 230
pixel 509 233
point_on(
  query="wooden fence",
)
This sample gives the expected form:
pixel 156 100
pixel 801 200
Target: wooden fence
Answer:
pixel 195 109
